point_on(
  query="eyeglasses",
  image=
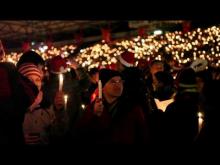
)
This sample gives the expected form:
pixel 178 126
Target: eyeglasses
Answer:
pixel 116 82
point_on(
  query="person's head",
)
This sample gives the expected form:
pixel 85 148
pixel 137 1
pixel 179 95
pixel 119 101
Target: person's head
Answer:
pixel 126 59
pixel 164 79
pixel 164 86
pixel 203 78
pixel 112 83
pixel 31 57
pixel 32 72
pixel 156 66
pixel 142 64
pixel 94 75
pixel 187 88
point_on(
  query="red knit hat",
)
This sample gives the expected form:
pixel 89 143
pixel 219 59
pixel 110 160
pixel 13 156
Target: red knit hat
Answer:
pixel 28 69
pixel 57 65
pixel 127 59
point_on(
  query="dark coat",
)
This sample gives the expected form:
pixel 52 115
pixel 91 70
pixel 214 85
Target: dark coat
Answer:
pixel 73 87
pixel 122 124
pixel 181 122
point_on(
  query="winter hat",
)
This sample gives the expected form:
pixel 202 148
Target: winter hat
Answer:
pixel 127 59
pixel 106 74
pixel 28 69
pixel 30 57
pixel 57 65
pixel 93 71
pixel 186 80
pixel 199 65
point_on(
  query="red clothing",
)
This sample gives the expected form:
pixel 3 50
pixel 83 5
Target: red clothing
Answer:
pixel 127 126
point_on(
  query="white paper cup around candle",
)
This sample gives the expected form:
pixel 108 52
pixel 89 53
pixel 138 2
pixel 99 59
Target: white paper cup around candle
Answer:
pixel 200 121
pixel 60 82
pixel 100 89
pixel 65 101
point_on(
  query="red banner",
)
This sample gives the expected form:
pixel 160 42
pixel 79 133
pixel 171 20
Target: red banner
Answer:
pixel 106 35
pixel 26 46
pixel 78 38
pixel 141 32
pixel 49 43
pixel 186 26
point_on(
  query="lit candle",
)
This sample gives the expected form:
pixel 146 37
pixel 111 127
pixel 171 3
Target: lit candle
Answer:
pixel 200 121
pixel 60 82
pixel 83 106
pixel 65 101
pixel 100 89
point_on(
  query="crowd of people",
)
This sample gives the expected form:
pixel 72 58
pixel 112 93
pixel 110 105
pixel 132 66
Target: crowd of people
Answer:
pixel 152 103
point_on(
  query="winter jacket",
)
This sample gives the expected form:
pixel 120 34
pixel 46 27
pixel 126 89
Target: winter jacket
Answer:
pixel 73 87
pixel 45 122
pixel 119 123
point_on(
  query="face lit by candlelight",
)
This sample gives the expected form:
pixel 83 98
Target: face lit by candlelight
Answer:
pixel 114 87
pixel 36 80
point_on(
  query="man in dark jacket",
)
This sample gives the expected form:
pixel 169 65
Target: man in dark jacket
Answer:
pixel 181 119
pixel 74 83
pixel 112 119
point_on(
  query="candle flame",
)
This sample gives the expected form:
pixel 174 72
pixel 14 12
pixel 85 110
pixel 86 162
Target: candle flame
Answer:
pixel 83 106
pixel 65 97
pixel 200 115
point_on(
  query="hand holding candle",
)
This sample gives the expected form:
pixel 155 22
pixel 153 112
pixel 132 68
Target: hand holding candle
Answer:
pixel 100 89
pixel 65 101
pixel 60 82
pixel 200 121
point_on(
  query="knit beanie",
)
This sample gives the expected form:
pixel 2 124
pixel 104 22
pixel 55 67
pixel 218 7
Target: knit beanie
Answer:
pixel 186 80
pixel 28 69
pixel 106 74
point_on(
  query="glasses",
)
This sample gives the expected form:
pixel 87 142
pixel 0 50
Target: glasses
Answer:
pixel 116 82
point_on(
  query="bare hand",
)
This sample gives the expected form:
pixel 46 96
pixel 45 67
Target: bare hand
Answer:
pixel 59 100
pixel 98 107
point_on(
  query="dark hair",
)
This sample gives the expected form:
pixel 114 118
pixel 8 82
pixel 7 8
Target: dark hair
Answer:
pixel 156 62
pixel 205 75
pixel 93 71
pixel 31 57
pixel 164 77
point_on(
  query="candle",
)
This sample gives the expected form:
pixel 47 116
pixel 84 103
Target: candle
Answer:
pixel 60 82
pixel 200 121
pixel 65 101
pixel 100 89
pixel 83 106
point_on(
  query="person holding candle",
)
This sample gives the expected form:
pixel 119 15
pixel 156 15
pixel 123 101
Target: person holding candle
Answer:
pixel 73 83
pixel 111 118
pixel 209 135
pixel 181 116
pixel 134 85
pixel 38 122
pixel 93 78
